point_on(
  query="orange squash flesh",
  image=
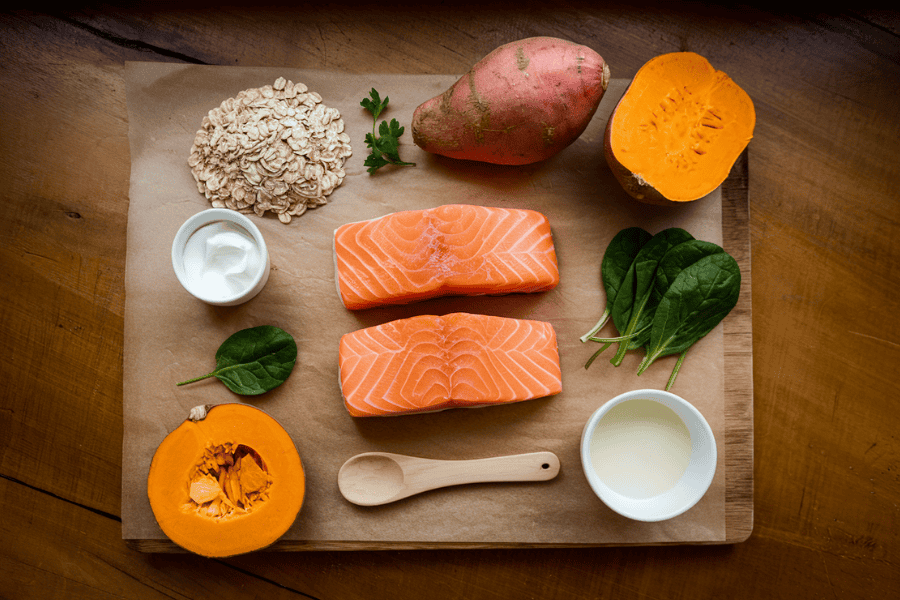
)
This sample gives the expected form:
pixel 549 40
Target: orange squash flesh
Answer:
pixel 677 131
pixel 226 484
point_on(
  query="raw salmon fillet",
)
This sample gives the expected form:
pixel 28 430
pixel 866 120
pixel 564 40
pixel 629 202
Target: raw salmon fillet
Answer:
pixel 430 363
pixel 454 249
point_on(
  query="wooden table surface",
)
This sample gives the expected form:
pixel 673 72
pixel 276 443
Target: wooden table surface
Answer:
pixel 824 208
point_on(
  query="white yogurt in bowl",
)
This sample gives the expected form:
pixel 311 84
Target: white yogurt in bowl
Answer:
pixel 648 454
pixel 220 257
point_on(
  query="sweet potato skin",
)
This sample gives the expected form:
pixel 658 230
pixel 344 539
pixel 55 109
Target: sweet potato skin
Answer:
pixel 522 103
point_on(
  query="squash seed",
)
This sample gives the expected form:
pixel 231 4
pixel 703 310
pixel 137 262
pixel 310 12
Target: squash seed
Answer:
pixel 228 480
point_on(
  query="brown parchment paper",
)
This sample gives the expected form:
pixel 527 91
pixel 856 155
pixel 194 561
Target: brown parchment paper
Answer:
pixel 170 336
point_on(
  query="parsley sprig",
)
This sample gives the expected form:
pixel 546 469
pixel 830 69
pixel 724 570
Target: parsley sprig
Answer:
pixel 384 149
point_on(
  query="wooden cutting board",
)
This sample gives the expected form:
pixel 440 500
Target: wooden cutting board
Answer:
pixel 149 408
pixel 738 445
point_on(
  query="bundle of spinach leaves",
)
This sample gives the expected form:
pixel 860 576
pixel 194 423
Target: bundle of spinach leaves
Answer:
pixel 663 293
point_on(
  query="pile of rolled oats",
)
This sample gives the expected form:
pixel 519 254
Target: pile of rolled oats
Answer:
pixel 274 148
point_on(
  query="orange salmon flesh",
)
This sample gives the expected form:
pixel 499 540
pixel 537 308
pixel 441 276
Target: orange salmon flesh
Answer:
pixel 430 363
pixel 455 249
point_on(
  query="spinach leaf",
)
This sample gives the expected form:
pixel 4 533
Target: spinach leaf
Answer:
pixel 616 261
pixel 255 360
pixel 635 302
pixel 699 298
pixel 673 263
pixel 678 259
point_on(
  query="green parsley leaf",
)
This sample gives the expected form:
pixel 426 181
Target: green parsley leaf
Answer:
pixel 385 145
pixel 375 105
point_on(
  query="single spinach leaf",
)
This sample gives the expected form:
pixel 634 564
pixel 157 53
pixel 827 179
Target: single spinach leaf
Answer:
pixel 635 302
pixel 253 361
pixel 678 259
pixel 674 262
pixel 698 299
pixel 616 261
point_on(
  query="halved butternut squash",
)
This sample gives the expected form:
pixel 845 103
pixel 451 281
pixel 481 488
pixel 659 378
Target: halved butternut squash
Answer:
pixel 228 480
pixel 678 129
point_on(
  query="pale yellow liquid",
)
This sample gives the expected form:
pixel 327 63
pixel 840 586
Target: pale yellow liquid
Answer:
pixel 640 448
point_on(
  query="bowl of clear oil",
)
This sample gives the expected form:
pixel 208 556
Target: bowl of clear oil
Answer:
pixel 649 455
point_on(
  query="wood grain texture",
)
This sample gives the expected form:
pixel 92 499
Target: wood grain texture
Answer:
pixel 738 447
pixel 826 337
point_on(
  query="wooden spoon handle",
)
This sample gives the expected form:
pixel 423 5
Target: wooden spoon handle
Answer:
pixel 535 466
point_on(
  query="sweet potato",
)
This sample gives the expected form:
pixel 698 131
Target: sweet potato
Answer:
pixel 520 104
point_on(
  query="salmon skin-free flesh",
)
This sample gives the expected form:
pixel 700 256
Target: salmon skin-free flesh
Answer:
pixel 430 363
pixel 457 249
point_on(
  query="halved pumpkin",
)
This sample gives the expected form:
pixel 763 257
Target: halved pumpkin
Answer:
pixel 678 129
pixel 226 481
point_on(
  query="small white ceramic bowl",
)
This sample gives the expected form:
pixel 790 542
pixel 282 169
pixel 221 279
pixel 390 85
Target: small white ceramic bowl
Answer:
pixel 687 490
pixel 206 217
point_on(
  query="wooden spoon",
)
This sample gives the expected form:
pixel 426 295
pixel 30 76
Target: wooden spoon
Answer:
pixel 374 478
